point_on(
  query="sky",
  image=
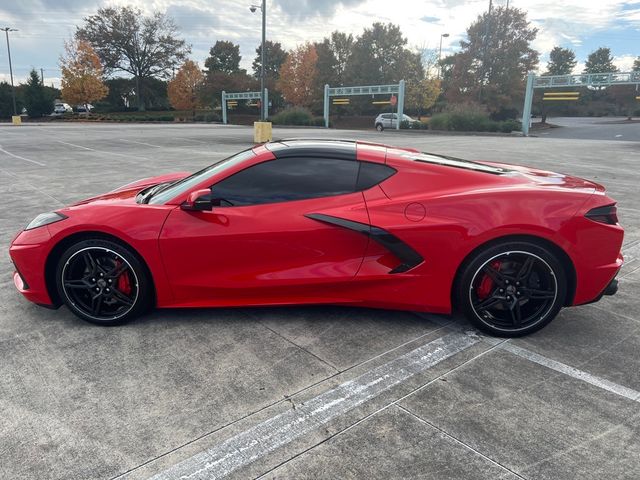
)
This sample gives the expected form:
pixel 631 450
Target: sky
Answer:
pixel 582 25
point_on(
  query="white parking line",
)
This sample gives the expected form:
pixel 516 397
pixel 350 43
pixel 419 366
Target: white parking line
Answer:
pixel 602 383
pixel 136 157
pixel 258 441
pixel 182 148
pixel 21 158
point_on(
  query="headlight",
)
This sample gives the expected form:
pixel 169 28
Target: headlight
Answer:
pixel 45 219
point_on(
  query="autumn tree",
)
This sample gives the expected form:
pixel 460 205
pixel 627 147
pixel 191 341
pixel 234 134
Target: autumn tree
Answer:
pixel 126 40
pixel 81 74
pixel 423 94
pixel 600 61
pixel 224 57
pixel 298 76
pixel 493 60
pixel 184 89
pixel 562 61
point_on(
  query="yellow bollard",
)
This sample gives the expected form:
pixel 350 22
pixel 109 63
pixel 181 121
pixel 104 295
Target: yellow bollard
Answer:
pixel 16 119
pixel 262 132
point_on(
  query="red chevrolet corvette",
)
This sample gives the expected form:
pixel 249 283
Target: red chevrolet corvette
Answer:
pixel 331 222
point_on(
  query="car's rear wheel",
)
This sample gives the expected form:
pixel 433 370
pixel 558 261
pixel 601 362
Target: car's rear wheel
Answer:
pixel 512 289
pixel 379 127
pixel 103 282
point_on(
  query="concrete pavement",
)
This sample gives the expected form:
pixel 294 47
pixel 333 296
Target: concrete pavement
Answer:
pixel 313 392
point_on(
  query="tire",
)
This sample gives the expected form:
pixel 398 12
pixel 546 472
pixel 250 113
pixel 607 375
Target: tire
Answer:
pixel 511 289
pixel 379 127
pixel 103 282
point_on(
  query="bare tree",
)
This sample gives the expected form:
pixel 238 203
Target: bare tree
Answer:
pixel 128 41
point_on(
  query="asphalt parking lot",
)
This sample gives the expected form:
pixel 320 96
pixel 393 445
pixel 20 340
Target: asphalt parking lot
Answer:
pixel 314 392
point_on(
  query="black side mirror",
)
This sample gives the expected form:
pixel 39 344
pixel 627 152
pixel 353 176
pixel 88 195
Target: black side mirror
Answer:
pixel 198 200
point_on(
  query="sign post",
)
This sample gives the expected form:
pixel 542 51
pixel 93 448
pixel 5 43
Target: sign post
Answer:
pixel 364 90
pixel 227 97
pixel 571 80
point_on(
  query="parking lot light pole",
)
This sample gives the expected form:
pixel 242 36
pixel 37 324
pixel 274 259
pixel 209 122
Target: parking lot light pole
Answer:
pixel 443 35
pixel 13 90
pixel 263 8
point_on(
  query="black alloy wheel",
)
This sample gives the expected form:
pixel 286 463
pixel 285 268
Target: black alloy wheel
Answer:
pixel 512 289
pixel 103 282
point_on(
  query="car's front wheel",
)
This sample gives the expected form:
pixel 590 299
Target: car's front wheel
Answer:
pixel 379 127
pixel 103 282
pixel 512 289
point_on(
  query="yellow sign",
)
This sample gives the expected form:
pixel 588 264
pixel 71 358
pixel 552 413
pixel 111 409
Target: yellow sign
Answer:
pixel 341 101
pixel 561 96
pixel 381 102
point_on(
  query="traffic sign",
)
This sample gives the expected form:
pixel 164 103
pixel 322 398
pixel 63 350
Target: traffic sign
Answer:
pixel 341 101
pixel 393 100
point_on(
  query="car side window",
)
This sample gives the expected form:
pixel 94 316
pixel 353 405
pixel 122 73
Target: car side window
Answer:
pixel 288 179
pixel 371 174
pixel 386 116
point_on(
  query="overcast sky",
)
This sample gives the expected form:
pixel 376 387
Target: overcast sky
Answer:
pixel 582 25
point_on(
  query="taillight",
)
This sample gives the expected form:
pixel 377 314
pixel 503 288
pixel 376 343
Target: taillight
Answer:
pixel 607 214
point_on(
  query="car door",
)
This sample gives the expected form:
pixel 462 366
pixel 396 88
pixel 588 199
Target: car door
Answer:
pixel 259 244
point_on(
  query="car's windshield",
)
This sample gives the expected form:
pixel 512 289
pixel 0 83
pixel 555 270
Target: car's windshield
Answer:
pixel 187 183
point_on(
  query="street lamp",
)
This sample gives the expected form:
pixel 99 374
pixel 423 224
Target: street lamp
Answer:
pixel 13 92
pixel 443 35
pixel 253 8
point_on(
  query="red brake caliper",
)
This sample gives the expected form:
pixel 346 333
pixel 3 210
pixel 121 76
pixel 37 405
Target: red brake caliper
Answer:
pixel 123 284
pixel 486 284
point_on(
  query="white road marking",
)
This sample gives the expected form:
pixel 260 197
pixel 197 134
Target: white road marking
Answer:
pixel 20 158
pixel 141 143
pixel 618 136
pixel 602 383
pixel 137 157
pixel 256 442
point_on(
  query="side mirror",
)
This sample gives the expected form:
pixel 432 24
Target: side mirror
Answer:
pixel 199 201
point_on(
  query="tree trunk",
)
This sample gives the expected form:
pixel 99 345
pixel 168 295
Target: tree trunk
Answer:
pixel 139 99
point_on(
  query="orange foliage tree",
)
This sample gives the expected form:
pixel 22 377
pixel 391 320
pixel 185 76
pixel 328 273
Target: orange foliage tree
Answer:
pixel 81 74
pixel 184 89
pixel 298 74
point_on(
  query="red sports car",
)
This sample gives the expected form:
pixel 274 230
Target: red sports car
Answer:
pixel 331 222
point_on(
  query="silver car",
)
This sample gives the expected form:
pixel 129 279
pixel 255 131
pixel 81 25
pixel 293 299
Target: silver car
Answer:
pixel 389 120
pixel 60 108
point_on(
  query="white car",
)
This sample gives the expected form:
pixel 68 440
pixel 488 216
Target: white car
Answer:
pixel 61 108
pixel 389 120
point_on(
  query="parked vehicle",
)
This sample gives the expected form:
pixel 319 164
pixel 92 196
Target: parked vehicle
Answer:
pixel 331 222
pixel 60 108
pixel 84 108
pixel 390 120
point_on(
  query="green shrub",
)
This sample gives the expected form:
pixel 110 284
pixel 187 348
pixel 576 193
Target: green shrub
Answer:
pixel 440 121
pixel 509 126
pixel 293 116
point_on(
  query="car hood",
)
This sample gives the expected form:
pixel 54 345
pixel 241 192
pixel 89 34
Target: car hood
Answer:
pixel 127 193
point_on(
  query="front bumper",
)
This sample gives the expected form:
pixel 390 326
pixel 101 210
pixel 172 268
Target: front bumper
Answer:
pixel 612 288
pixel 29 253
